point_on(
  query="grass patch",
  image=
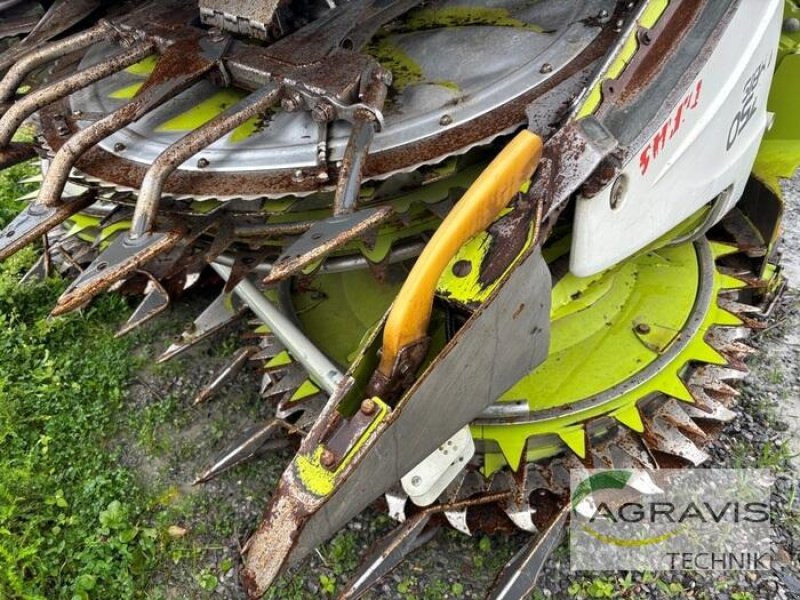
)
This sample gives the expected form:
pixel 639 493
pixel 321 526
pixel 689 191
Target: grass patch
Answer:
pixel 71 519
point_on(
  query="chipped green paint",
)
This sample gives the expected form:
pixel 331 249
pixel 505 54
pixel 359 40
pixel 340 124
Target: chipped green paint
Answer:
pixel 463 16
pixel 405 71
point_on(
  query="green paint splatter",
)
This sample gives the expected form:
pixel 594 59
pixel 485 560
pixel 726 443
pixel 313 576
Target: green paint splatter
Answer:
pixel 433 18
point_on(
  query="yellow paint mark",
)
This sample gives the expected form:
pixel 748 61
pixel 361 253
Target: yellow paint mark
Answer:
pixel 127 92
pixel 650 16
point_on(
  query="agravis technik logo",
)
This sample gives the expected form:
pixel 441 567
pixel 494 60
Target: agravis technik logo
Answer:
pixel 671 519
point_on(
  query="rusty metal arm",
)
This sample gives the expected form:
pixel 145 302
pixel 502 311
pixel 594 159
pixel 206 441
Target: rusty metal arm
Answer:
pixel 23 109
pixel 173 157
pixel 36 58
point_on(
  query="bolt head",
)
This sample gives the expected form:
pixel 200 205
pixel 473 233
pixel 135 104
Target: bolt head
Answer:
pixel 642 328
pixel 368 406
pixel 119 147
pixel 322 113
pixel 791 25
pixel 327 459
pixel 445 120
pixel 202 163
pixel 546 68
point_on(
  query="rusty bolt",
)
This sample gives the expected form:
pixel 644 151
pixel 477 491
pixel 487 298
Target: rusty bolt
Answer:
pixel 119 147
pixel 202 163
pixel 327 459
pixel 368 406
pixel 323 113
pixel 292 102
pixel 546 68
pixel 643 328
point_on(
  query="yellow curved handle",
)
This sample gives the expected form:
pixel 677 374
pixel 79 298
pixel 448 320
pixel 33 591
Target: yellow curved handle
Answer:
pixel 478 208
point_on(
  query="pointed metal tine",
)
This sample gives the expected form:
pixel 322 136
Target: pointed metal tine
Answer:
pixel 293 376
pixel 17 26
pixel 257 103
pixel 518 578
pixel 389 552
pixel 461 489
pixel 674 414
pixel 244 449
pixel 24 108
pixel 223 311
pixel 35 221
pixel 50 52
pixel 668 439
pixel 230 371
pixel 117 262
pixel 59 17
pixel 155 302
pixel 37 272
pixel 323 238
pixel 173 74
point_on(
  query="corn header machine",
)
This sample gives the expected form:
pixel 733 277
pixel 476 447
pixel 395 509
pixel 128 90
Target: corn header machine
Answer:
pixel 484 244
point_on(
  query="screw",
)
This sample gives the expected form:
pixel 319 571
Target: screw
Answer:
pixel 416 480
pixel 445 120
pixel 603 14
pixel 327 459
pixel 202 163
pixel 297 176
pixel 646 38
pixel 119 147
pixel 368 406
pixel 323 113
pixel 546 68
pixel 643 328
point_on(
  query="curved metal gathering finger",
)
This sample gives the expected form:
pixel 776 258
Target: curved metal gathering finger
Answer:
pixel 173 74
pixel 36 58
pixel 173 157
pixel 25 107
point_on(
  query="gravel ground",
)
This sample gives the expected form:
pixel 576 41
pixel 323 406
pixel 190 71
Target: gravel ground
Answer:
pixel 175 441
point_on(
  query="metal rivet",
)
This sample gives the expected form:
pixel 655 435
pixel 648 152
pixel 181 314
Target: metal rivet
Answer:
pixel 416 480
pixel 619 192
pixel 368 406
pixel 603 14
pixel 119 147
pixel 445 120
pixel 546 68
pixel 202 163
pixel 327 459
pixel 642 328
pixel 791 25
